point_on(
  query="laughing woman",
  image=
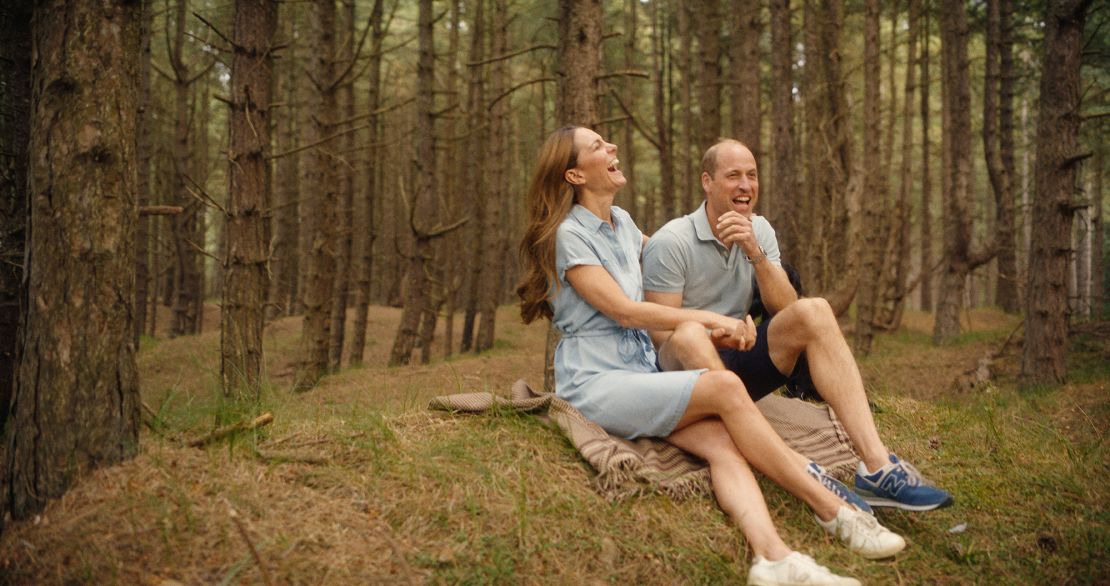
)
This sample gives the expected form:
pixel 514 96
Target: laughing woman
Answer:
pixel 582 261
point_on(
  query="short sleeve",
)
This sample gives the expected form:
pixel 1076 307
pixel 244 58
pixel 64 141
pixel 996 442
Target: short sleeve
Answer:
pixel 571 250
pixel 664 264
pixel 766 237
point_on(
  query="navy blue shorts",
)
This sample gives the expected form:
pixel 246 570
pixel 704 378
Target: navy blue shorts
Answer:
pixel 754 367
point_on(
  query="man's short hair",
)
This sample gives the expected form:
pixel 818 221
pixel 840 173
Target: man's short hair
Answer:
pixel 709 159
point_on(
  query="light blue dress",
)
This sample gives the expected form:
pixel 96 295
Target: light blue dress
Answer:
pixel 606 371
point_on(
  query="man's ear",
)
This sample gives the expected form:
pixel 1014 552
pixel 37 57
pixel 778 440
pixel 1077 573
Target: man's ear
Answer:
pixel 706 179
pixel 574 177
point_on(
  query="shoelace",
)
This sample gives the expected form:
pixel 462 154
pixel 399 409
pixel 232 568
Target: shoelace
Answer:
pixel 913 477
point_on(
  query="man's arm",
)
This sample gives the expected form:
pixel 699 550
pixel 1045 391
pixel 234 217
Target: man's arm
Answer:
pixel 774 286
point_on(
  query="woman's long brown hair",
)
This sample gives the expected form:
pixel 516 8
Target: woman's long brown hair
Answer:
pixel 550 198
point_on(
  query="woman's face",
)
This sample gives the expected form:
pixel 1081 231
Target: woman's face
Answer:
pixel 597 169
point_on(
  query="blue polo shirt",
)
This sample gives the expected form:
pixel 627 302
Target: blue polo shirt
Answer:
pixel 684 257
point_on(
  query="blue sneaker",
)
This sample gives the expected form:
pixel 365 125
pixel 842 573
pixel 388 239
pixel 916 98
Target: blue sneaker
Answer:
pixel 837 487
pixel 900 485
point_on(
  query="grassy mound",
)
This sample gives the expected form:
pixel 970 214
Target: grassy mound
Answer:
pixel 356 482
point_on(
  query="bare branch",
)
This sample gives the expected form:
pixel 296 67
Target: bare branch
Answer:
pixel 217 31
pixel 625 73
pixel 510 55
pixel 518 86
pixel 635 121
pixel 160 210
pixel 317 143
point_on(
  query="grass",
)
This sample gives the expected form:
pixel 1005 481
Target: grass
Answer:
pixel 356 482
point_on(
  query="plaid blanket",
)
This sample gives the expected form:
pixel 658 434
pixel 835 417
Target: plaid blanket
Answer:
pixel 628 467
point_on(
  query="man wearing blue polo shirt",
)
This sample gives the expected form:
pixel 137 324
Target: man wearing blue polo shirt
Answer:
pixel 709 260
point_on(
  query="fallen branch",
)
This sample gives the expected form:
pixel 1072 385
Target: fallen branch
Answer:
pixel 218 434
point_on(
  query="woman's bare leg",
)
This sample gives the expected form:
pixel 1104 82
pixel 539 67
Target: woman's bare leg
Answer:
pixel 736 488
pixel 721 394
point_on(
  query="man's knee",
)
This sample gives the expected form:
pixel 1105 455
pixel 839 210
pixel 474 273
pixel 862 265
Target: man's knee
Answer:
pixel 813 315
pixel 689 334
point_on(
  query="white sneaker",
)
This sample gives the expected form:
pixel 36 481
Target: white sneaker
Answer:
pixel 796 569
pixel 863 534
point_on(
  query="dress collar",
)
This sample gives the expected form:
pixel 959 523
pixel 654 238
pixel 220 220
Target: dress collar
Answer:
pixel 589 220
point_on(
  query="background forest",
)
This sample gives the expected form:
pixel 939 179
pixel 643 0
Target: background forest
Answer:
pixel 341 182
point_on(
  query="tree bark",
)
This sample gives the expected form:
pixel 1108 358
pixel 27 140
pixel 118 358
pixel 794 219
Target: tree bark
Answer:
pixel 1044 355
pixel 664 134
pixel 999 174
pixel 15 127
pixel 364 254
pixel 186 233
pixel 784 176
pixel 143 153
pixel 926 216
pixel 246 275
pixel 707 23
pixel 746 91
pixel 1008 295
pixel 874 196
pixel 424 203
pixel 284 263
pixel 319 173
pixel 959 257
pixel 345 213
pixel 579 62
pixel 76 400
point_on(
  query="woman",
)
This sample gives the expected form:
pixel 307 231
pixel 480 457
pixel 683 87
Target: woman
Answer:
pixel 582 255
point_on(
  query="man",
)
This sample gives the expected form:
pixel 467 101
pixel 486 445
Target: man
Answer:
pixel 709 260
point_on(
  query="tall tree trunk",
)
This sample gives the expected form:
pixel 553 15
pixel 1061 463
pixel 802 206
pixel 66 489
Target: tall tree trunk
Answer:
pixel 959 257
pixel 688 193
pixel 926 217
pixel 1044 356
pixel 143 152
pixel 15 127
pixel 320 177
pixel 629 91
pixel 424 201
pixel 747 119
pixel 707 22
pixel 497 154
pixel 1000 177
pixel 186 240
pixel 895 301
pixel 364 254
pixel 476 113
pixel 1007 295
pixel 344 216
pixel 874 202
pixel 282 298
pixel 661 64
pixel 784 179
pixel 76 400
pixel 246 276
pixel 449 168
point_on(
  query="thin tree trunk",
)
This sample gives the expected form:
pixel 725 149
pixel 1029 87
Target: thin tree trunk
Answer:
pixel 875 196
pixel 784 179
pixel 746 91
pixel 345 214
pixel 926 217
pixel 661 63
pixel 321 177
pixel 424 203
pixel 185 223
pixel 364 257
pixel 246 278
pixel 707 22
pixel 1007 295
pixel 75 405
pixel 282 298
pixel 1000 177
pixel 1044 356
pixel 143 151
pixel 688 194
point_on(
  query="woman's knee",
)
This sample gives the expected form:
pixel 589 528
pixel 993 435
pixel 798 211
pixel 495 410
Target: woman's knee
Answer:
pixel 726 391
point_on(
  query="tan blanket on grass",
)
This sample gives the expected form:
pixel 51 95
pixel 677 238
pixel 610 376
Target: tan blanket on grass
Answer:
pixel 627 467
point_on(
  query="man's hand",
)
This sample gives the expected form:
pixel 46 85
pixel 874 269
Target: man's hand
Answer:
pixel 741 337
pixel 734 228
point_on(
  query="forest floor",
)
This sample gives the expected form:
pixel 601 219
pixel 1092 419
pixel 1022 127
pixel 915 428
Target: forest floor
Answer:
pixel 356 482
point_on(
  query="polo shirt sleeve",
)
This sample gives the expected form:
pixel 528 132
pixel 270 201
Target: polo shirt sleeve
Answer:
pixel 572 249
pixel 765 235
pixel 664 264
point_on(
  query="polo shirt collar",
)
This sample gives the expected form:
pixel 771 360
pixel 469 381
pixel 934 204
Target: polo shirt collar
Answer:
pixel 701 225
pixel 588 219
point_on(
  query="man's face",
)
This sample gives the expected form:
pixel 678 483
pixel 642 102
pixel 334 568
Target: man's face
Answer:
pixel 734 185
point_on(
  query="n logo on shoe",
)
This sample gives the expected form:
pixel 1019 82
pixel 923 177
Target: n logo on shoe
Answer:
pixel 892 484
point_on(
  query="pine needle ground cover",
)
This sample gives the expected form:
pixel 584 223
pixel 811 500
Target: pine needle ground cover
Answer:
pixel 357 483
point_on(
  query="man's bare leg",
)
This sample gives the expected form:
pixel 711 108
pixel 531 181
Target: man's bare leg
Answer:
pixel 809 325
